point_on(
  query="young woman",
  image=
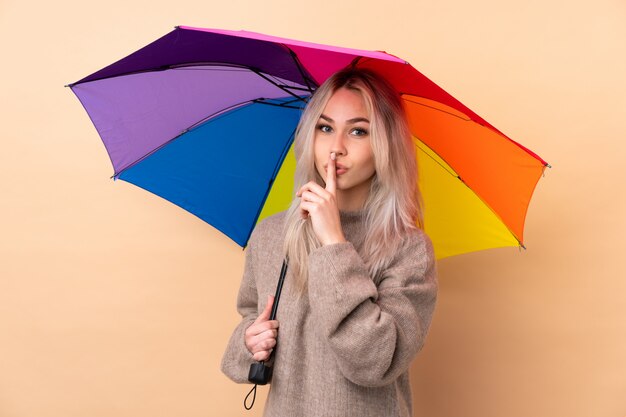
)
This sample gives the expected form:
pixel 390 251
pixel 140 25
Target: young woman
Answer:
pixel 361 287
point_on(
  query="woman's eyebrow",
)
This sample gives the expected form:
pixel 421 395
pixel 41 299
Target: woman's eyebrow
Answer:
pixel 358 119
pixel 353 120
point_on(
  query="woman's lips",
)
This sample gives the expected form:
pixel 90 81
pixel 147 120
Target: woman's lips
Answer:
pixel 340 169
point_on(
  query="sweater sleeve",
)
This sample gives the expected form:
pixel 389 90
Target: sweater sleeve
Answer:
pixel 237 358
pixel 374 331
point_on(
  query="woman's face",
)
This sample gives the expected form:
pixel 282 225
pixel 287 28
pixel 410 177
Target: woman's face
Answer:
pixel 344 128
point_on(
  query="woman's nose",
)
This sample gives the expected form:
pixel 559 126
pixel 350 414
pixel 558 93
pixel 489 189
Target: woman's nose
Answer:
pixel 338 144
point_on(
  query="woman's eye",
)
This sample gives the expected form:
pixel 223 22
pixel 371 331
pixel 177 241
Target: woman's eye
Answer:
pixel 324 128
pixel 359 132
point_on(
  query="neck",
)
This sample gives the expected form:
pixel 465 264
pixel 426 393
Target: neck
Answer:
pixel 349 204
pixel 353 199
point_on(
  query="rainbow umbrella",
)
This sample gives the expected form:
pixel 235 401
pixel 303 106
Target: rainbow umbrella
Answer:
pixel 205 118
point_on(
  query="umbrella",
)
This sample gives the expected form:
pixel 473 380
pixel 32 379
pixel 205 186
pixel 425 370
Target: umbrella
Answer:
pixel 205 119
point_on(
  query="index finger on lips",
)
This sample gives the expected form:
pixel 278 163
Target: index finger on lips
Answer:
pixel 331 174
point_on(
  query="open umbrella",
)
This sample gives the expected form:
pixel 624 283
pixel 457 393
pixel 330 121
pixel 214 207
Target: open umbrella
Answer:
pixel 205 118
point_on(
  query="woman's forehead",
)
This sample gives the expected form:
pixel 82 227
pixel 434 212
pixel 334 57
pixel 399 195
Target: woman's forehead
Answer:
pixel 345 104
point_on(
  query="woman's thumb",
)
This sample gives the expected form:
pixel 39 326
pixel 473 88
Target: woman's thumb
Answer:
pixel 265 315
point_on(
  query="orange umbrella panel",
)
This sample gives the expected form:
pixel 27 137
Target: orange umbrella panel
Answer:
pixel 488 179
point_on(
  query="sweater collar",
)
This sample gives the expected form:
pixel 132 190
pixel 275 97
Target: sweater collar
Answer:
pixel 351 216
pixel 352 223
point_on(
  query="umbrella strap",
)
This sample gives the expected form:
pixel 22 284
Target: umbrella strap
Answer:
pixel 245 401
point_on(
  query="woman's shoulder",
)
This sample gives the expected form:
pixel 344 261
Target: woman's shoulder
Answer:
pixel 267 228
pixel 413 263
pixel 417 237
pixel 417 248
pixel 272 222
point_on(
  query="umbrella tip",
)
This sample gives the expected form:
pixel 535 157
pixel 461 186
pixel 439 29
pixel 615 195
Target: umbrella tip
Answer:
pixel 543 170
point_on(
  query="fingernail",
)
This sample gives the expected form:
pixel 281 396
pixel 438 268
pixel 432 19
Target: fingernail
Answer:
pixel 333 156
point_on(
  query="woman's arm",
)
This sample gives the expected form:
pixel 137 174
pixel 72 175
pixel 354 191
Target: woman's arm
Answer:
pixel 374 331
pixel 237 358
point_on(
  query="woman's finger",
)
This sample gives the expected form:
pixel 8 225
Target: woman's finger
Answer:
pixel 255 335
pixel 308 207
pixel 313 187
pixel 262 356
pixel 251 335
pixel 311 197
pixel 266 335
pixel 264 345
pixel 331 174
pixel 258 328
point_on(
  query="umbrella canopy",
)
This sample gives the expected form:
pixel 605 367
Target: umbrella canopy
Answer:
pixel 206 118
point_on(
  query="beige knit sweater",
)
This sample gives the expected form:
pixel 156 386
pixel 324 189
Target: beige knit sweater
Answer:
pixel 343 349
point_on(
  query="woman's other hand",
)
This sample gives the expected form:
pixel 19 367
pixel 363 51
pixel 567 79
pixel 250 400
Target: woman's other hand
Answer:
pixel 260 337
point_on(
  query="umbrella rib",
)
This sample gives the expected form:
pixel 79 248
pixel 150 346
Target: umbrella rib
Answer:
pixel 210 117
pixel 277 82
pixel 165 68
pixel 469 119
pixel 214 115
pixel 466 118
pixel 268 77
pixel 185 66
pixel 301 70
pixel 282 87
pixel 195 68
pixel 273 178
pixel 132 164
pixel 455 175
pixel 283 105
pixel 452 173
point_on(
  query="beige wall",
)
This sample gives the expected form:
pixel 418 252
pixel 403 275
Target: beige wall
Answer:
pixel 115 302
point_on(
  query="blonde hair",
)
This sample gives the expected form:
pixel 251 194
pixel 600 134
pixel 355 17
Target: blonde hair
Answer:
pixel 393 206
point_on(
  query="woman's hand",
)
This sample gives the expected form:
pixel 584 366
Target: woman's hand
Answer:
pixel 260 337
pixel 320 204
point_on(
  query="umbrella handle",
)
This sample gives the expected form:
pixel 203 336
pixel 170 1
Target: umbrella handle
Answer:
pixel 260 373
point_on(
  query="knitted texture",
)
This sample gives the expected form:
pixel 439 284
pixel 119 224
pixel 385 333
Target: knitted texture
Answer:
pixel 345 347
